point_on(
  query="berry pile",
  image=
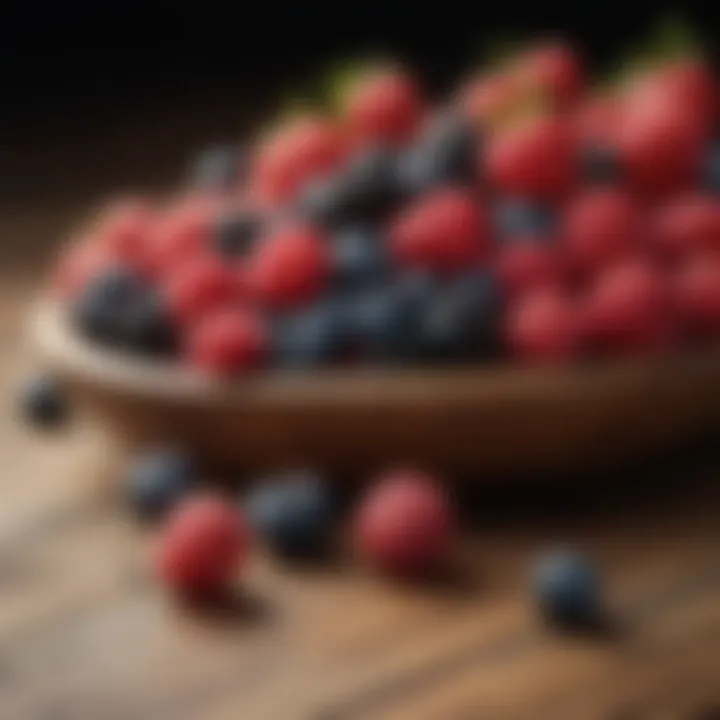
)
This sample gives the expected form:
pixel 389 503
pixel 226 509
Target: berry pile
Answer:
pixel 531 216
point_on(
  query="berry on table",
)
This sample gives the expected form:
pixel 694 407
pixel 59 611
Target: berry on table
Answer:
pixel 521 218
pixel 443 231
pixel 600 164
pixel 156 481
pixel 527 264
pixel 227 342
pixel 234 234
pixel 553 69
pixel 293 514
pixel 567 589
pixel 124 228
pixel 290 267
pixel 405 524
pixel 359 258
pixel 79 262
pixel 202 546
pixel 687 225
pixel 42 403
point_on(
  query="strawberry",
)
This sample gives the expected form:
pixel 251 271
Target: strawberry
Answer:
pixel 554 70
pixel 289 267
pixel 542 326
pixel 227 341
pixel 698 294
pixel 527 264
pixel 687 224
pixel 304 149
pixel 630 310
pixel 598 227
pixel 535 158
pixel 444 230
pixel 384 107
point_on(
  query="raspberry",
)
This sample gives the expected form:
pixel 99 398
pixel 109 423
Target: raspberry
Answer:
pixel 698 295
pixel 688 224
pixel 289 267
pixel 405 524
pixel 80 262
pixel 228 341
pixel 596 120
pixel 384 107
pixel 199 287
pixel 202 546
pixel 630 310
pixel 553 69
pixel 446 230
pixel 535 158
pixel 303 150
pixel 543 326
pixel 599 227
pixel 124 227
pixel 527 264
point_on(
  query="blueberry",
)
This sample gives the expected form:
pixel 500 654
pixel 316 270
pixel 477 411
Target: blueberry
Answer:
pixel 711 169
pixel 445 154
pixel 367 190
pixel 314 336
pixel 41 402
pixel 463 321
pixel 217 168
pixel 600 164
pixel 516 218
pixel 156 480
pixel 293 514
pixel 235 233
pixel 359 257
pixel 567 588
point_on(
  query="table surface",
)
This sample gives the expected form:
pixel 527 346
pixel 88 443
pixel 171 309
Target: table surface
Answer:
pixel 86 634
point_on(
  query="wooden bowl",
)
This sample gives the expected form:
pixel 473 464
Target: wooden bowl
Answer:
pixel 482 420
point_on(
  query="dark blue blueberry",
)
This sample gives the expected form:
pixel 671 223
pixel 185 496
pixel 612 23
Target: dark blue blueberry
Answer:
pixel 119 310
pixel 365 191
pixel 314 336
pixel 41 402
pixel 386 320
pixel 156 480
pixel 293 514
pixel 567 588
pixel 217 168
pixel 359 258
pixel 235 233
pixel 463 321
pixel 445 154
pixel 711 169
pixel 516 218
pixel 600 164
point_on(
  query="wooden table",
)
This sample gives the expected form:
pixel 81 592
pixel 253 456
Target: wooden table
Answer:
pixel 86 634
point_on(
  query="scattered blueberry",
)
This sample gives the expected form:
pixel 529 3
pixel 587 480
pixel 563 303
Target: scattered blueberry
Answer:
pixel 156 480
pixel 235 233
pixel 446 153
pixel 312 336
pixel 293 514
pixel 359 257
pixel 711 169
pixel 464 320
pixel 217 168
pixel 567 588
pixel 41 402
pixel 519 218
pixel 600 164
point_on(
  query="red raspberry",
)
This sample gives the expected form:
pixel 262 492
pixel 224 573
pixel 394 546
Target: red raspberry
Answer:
pixel 554 69
pixel 228 341
pixel 289 267
pixel 630 310
pixel 661 144
pixel 599 227
pixel 384 107
pixel 79 262
pixel 405 524
pixel 698 295
pixel 305 149
pixel 125 227
pixel 202 546
pixel 526 265
pixel 534 159
pixel 198 287
pixel 688 224
pixel 445 230
pixel 486 97
pixel 596 120
pixel 543 326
